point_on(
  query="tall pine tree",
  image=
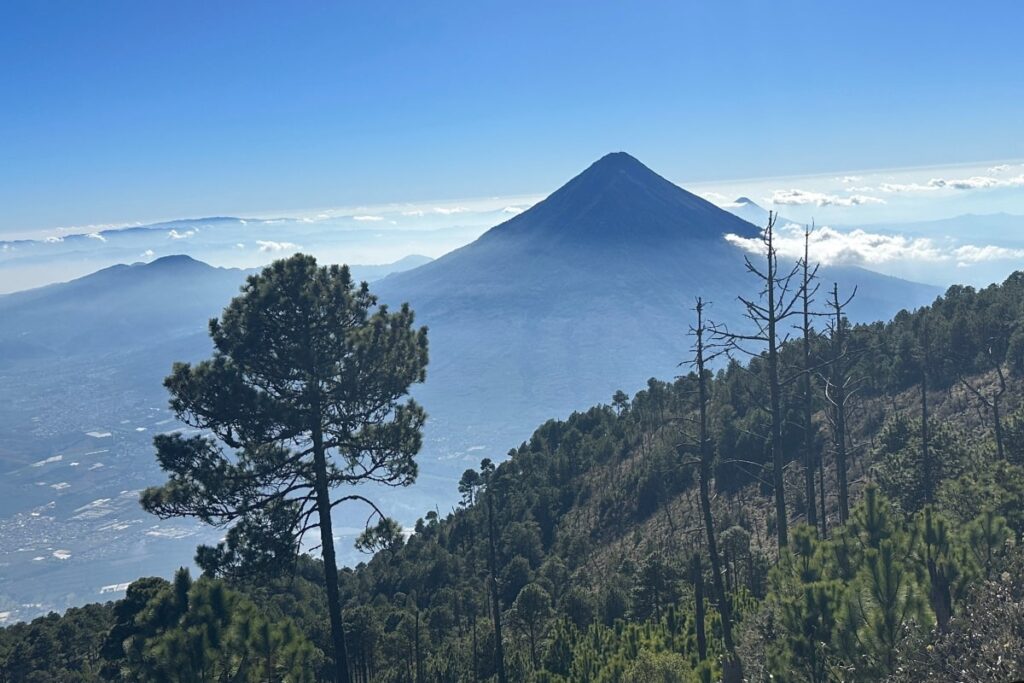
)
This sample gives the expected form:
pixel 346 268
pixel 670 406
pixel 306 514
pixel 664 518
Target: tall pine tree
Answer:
pixel 305 393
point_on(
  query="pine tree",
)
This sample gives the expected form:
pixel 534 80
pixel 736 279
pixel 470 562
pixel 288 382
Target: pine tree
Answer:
pixel 946 562
pixel 203 631
pixel 885 603
pixel 986 538
pixel 809 602
pixel 487 473
pixel 306 387
pixel 531 607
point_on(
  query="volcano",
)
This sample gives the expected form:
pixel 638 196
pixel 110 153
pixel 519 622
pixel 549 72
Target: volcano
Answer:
pixel 587 292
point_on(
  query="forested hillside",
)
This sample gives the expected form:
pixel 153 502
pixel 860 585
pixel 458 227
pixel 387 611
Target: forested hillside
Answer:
pixel 639 540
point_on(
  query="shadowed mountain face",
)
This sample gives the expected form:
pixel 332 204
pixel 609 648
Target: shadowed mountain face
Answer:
pixel 117 309
pixel 587 292
pixel 618 201
pixel 127 307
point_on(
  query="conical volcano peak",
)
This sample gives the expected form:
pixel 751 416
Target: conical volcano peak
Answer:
pixel 618 200
pixel 617 161
pixel 745 200
pixel 616 166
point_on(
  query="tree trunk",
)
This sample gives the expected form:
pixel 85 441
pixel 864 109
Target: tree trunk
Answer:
pixel 476 675
pixel 840 443
pixel 997 413
pixel 533 646
pixel 499 648
pixel 838 400
pixel 416 640
pixel 821 493
pixel 775 391
pixel 778 462
pixel 941 599
pixel 696 575
pixel 812 517
pixel 323 503
pixel 926 460
pixel 733 669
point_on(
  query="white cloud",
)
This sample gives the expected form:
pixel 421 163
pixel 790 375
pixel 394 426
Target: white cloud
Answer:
pixel 149 253
pixel 969 254
pixel 847 179
pixel 96 236
pixel 267 246
pixel 972 183
pixel 512 210
pixel 175 235
pixel 859 247
pixel 977 182
pixel 801 197
pixel 53 239
pixel 367 218
pixel 442 210
pixel 999 168
pixel 239 245
pixel 905 187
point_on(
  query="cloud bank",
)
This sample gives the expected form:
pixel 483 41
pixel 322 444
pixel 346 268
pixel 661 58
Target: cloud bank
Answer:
pixel 859 247
pixel 976 182
pixel 794 197
pixel 268 246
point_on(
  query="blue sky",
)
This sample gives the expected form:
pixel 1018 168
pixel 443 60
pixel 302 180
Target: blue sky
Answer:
pixel 136 111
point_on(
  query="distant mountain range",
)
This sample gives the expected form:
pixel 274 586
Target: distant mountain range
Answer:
pixel 125 307
pixel 587 292
pixel 81 396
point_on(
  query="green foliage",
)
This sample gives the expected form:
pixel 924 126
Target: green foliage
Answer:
pixel 852 607
pixel 593 518
pixel 652 650
pixel 659 667
pixel 984 643
pixel 202 630
pixel 899 458
pixel 306 364
pixel 809 603
pixel 992 485
pixel 57 649
pixel 306 392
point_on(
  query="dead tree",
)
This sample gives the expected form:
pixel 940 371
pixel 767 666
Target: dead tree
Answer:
pixel 777 302
pixel 732 668
pixel 839 391
pixel 808 288
pixel 991 401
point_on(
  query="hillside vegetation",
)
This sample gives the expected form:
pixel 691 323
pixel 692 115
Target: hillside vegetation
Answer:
pixel 586 554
